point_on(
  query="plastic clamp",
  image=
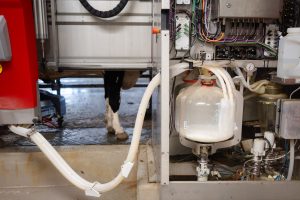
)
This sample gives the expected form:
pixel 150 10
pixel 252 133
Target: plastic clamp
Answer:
pixel 126 169
pixel 91 192
pixel 31 132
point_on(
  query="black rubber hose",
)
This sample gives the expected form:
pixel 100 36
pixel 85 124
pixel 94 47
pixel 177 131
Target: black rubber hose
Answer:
pixel 104 14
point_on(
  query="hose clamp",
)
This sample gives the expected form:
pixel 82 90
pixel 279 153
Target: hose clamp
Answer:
pixel 126 169
pixel 31 132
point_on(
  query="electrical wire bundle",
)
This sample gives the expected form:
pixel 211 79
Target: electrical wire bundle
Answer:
pixel 202 26
pixel 203 29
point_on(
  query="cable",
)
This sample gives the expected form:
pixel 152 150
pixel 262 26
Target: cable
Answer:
pixel 205 34
pixel 104 14
pixel 219 39
pixel 294 92
pixel 280 157
pixel 292 160
pixel 277 158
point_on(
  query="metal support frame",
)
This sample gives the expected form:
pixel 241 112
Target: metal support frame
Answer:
pixel 164 99
pixel 194 190
pixel 55 49
pixel 58 85
pixel 234 190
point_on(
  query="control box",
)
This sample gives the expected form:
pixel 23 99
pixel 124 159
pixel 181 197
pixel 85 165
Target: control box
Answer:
pixel 264 9
pixel 287 118
pixel 182 32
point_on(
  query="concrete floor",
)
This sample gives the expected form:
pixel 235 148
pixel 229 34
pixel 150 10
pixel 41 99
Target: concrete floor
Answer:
pixel 27 174
pixel 84 121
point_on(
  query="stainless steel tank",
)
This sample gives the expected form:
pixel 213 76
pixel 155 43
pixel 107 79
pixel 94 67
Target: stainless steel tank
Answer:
pixel 267 106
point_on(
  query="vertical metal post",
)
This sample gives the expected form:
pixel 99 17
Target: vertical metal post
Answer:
pixel 54 33
pixel 150 78
pixel 165 108
pixel 58 83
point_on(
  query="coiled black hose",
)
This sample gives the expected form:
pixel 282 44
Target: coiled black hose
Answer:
pixel 104 14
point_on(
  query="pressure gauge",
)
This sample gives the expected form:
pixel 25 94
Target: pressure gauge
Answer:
pixel 250 68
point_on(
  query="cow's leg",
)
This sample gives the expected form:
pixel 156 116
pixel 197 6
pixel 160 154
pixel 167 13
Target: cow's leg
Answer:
pixel 108 119
pixel 113 83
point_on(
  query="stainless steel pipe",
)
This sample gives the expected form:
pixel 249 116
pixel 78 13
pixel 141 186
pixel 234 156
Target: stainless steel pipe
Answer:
pixel 41 20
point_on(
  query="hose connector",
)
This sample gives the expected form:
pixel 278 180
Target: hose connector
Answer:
pixel 126 169
pixel 92 192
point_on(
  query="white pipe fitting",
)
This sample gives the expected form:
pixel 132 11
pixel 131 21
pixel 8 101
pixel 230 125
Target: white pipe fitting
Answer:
pixel 271 138
pixel 258 148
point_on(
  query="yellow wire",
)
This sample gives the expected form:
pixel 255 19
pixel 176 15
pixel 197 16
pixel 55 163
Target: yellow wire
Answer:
pixel 216 40
pixel 204 36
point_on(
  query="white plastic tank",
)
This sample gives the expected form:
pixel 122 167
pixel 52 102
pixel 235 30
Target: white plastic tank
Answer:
pixel 203 115
pixel 289 55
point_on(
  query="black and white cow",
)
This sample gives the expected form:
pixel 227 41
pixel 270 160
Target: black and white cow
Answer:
pixel 114 81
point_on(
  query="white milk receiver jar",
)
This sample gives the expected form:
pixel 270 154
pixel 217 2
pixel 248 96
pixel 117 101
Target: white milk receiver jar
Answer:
pixel 203 114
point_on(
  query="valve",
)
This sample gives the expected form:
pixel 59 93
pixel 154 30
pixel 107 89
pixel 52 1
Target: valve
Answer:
pixel 202 170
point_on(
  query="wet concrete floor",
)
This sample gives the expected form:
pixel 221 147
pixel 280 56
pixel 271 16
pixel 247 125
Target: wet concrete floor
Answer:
pixel 84 121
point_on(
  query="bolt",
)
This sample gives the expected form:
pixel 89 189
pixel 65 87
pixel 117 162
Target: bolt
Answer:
pixel 228 5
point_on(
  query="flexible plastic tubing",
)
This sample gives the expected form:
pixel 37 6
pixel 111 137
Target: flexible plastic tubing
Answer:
pixel 223 86
pixel 68 172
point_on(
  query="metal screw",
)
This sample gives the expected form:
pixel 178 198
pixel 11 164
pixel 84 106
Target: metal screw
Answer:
pixel 228 5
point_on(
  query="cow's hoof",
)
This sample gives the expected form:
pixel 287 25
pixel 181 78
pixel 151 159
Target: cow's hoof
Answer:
pixel 122 136
pixel 110 130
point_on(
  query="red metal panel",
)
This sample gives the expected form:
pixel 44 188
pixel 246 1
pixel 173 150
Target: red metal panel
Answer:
pixel 19 77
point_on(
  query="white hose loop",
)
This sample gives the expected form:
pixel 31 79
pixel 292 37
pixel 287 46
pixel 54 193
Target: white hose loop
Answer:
pixel 68 172
pixel 228 81
pixel 140 117
pixel 255 87
pixel 221 80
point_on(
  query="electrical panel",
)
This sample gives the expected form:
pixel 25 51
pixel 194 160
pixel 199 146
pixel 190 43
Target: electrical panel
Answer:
pixel 5 49
pixel 237 52
pixel 272 37
pixel 225 29
pixel 264 9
